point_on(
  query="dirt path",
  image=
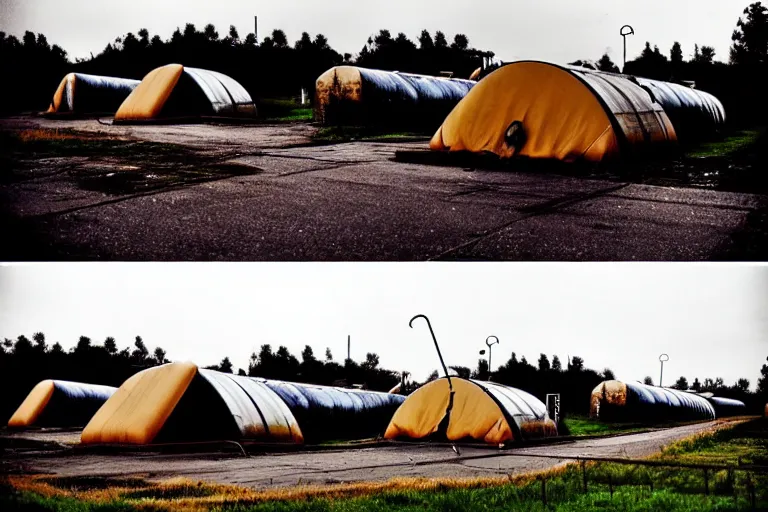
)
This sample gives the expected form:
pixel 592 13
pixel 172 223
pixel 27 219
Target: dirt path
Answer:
pixel 350 465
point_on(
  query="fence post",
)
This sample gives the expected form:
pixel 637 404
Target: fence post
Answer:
pixel 751 487
pixel 584 474
pixel 730 481
pixel 544 491
pixel 610 485
pixel 706 482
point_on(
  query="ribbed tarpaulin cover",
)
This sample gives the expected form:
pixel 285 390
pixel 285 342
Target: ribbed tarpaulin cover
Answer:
pixel 60 403
pixel 566 113
pixel 693 113
pixel 481 411
pixel 360 96
pixel 179 402
pixel 633 401
pixel 175 91
pixel 326 412
pixel 82 93
pixel 727 406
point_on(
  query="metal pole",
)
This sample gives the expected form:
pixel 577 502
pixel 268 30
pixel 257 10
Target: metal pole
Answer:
pixel 349 345
pixel 445 369
pixel 487 342
pixel 624 34
pixel 662 358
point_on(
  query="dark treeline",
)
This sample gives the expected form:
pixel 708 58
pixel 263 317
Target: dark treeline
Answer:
pixel 738 83
pixel 270 68
pixel 25 362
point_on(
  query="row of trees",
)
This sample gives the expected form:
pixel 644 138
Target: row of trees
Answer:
pixel 271 68
pixel 275 68
pixel 736 83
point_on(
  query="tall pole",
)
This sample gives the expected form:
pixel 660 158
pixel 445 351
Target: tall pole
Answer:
pixel 437 347
pixel 488 342
pixel 624 34
pixel 256 28
pixel 349 345
pixel 662 358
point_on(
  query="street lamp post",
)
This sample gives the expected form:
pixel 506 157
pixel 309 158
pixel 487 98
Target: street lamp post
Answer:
pixel 624 34
pixel 489 344
pixel 662 359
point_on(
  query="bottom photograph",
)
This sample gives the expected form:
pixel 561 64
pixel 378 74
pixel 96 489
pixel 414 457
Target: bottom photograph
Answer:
pixel 279 386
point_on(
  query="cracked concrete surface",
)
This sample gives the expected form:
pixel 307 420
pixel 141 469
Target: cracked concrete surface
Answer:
pixel 292 201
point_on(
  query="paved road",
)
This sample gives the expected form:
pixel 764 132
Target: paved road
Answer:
pixel 351 465
pixel 354 201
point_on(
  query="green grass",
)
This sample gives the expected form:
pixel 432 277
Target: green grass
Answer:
pixel 729 145
pixel 337 134
pixel 283 110
pixel 583 426
pixel 610 486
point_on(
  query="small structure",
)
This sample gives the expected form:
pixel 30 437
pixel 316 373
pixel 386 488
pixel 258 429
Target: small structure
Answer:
pixel 480 411
pixel 179 402
pixel 60 403
pixel 175 92
pixel 349 95
pixel 614 400
pixel 79 93
pixel 725 407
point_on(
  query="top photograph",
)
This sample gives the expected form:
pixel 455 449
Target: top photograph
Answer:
pixel 383 131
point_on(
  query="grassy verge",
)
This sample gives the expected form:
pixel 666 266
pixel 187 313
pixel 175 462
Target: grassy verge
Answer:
pixel 335 134
pixel 283 110
pixel 583 426
pixel 609 486
pixel 730 144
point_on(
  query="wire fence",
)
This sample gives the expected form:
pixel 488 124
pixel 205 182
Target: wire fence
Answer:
pixel 740 487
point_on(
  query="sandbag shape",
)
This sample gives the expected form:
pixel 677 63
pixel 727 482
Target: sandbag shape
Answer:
pixel 481 411
pixel 60 403
pixel 178 92
pixel 350 95
pixel 614 400
pixel 179 402
pixel 81 93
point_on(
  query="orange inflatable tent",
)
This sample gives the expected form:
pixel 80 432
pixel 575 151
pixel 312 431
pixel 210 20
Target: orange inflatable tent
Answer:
pixel 81 93
pixel 178 92
pixel 60 403
pixel 179 402
pixel 542 110
pixel 481 411
pixel 350 95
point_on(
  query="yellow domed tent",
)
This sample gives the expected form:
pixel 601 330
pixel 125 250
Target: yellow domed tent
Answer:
pixel 614 400
pixel 541 110
pixel 482 411
pixel 180 402
pixel 81 93
pixel 60 403
pixel 349 95
pixel 178 92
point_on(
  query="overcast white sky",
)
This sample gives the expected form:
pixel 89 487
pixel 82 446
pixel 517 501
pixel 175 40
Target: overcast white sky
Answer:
pixel 712 320
pixel 553 30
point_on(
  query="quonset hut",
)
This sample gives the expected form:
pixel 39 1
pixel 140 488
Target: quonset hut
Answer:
pixel 175 92
pixel 349 95
pixel 79 93
pixel 725 407
pixel 542 110
pixel 179 402
pixel 60 403
pixel 480 411
pixel 615 400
